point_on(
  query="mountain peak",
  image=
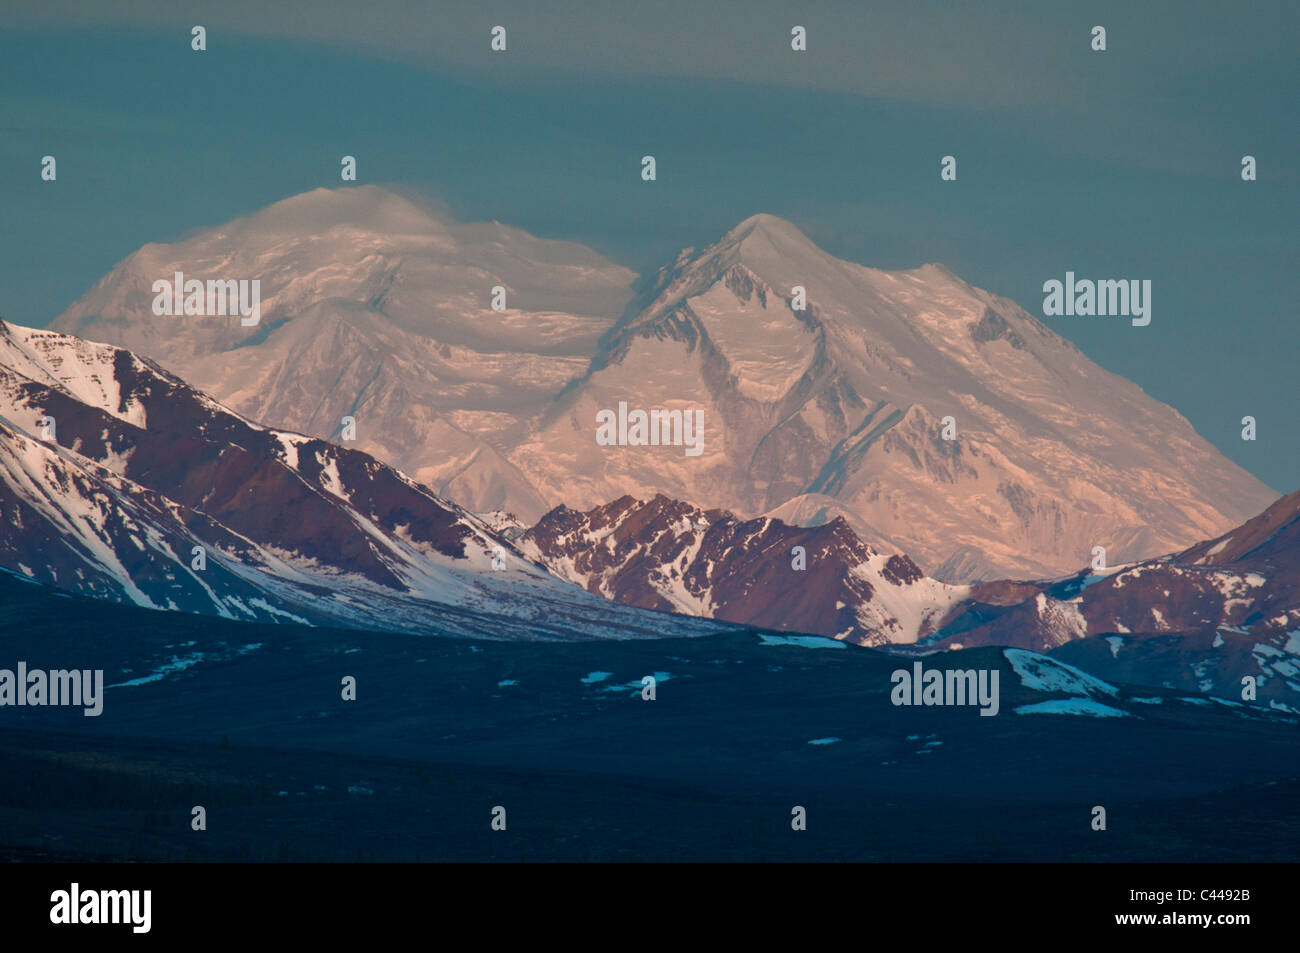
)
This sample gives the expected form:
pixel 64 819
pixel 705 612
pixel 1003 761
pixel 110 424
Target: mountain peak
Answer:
pixel 939 270
pixel 763 221
pixel 364 206
pixel 783 235
pixel 771 248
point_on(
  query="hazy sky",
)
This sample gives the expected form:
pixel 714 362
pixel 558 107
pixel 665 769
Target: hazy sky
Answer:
pixel 1122 164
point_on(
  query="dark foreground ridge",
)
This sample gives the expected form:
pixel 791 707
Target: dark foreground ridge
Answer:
pixel 247 720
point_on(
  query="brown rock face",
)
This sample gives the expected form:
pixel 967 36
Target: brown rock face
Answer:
pixel 666 554
pixel 1204 618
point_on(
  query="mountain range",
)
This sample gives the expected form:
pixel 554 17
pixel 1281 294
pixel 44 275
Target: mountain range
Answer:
pixel 377 309
pixel 1198 620
pixel 826 499
pixel 113 472
pixel 121 481
pixel 668 555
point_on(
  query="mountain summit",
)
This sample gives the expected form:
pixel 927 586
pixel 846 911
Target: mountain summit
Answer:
pixel 838 408
pixel 373 307
pixel 378 310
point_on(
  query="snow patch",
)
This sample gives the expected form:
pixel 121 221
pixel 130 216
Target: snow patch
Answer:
pixel 805 641
pixel 1042 674
pixel 1072 706
pixel 177 664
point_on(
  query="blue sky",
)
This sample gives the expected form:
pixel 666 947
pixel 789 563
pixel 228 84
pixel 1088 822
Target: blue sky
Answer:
pixel 1117 164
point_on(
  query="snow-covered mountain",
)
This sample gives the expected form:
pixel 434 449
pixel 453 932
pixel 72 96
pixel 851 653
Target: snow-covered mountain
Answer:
pixel 669 555
pixel 376 309
pixel 1197 620
pixel 836 410
pixel 1200 619
pixel 113 472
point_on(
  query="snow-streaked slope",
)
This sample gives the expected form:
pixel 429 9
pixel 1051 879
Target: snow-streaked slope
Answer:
pixel 141 469
pixel 665 554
